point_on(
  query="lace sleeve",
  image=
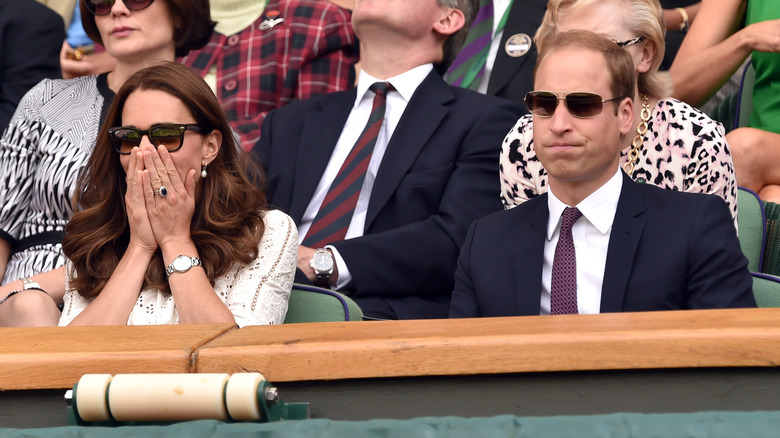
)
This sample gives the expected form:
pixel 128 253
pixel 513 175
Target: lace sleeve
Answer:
pixel 73 303
pixel 260 291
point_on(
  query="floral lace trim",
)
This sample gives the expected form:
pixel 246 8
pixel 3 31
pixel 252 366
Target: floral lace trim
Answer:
pixel 279 257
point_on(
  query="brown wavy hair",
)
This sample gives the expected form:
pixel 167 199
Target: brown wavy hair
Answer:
pixel 227 224
pixel 192 24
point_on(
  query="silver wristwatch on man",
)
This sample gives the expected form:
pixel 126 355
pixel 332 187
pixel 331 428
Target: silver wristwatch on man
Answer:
pixel 322 262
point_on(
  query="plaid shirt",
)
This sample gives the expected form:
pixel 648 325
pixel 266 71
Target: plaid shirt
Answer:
pixel 295 50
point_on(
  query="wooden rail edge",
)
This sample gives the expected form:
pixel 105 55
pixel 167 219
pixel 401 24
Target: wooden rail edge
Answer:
pixel 679 339
pixel 57 357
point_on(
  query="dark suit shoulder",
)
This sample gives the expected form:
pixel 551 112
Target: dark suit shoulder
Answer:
pixel 525 212
pixel 482 100
pixel 677 199
pixel 314 103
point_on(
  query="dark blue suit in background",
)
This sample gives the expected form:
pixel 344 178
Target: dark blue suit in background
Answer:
pixel 31 36
pixel 667 250
pixel 439 173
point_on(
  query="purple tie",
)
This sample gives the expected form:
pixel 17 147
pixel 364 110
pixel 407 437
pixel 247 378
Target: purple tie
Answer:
pixel 333 218
pixel 563 289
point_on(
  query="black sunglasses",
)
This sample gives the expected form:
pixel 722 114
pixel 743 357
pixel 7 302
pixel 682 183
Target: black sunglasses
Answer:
pixel 581 105
pixel 103 7
pixel 169 135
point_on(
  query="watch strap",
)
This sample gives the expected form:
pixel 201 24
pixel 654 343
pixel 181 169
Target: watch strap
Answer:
pixel 29 283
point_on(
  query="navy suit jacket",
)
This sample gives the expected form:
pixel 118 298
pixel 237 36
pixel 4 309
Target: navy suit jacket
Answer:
pixel 513 77
pixel 31 37
pixel 439 173
pixel 667 250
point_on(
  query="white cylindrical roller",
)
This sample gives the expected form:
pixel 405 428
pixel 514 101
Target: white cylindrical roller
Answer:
pixel 241 396
pixel 91 397
pixel 168 397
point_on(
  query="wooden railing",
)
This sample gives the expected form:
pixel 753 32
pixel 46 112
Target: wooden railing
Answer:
pixel 50 358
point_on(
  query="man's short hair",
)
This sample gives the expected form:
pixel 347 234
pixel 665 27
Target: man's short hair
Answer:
pixel 619 63
pixel 454 43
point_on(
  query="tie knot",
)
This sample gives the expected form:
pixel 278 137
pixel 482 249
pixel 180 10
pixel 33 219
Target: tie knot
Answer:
pixel 381 88
pixel 570 216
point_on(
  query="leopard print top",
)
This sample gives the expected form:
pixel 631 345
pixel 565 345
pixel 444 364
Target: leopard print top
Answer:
pixel 683 150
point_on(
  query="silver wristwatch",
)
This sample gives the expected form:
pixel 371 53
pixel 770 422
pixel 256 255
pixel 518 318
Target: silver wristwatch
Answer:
pixel 182 263
pixel 322 262
pixel 30 284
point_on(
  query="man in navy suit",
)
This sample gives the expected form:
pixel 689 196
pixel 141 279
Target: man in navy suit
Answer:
pixel 432 170
pixel 635 247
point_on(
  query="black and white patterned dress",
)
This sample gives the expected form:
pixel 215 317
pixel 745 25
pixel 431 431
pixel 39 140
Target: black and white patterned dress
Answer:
pixel 682 150
pixel 42 152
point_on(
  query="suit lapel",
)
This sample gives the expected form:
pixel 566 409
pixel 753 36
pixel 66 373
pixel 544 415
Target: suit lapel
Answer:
pixel 320 133
pixel 524 17
pixel 529 257
pixel 623 242
pixel 423 115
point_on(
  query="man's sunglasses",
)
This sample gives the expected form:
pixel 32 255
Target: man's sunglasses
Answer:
pixel 103 7
pixel 581 105
pixel 169 135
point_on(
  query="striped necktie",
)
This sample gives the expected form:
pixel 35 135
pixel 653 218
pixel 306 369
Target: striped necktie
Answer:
pixel 469 66
pixel 335 213
pixel 563 287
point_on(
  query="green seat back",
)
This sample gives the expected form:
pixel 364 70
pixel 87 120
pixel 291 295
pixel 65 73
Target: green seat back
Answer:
pixel 734 110
pixel 745 96
pixel 314 304
pixel 766 289
pixel 771 264
pixel 751 227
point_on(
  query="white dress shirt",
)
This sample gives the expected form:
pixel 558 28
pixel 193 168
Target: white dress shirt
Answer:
pixel 405 85
pixel 499 8
pixel 591 241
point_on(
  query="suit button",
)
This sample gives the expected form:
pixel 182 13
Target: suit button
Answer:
pixel 233 40
pixel 231 85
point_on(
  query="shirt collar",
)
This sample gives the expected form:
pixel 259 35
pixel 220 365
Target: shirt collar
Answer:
pixel 405 84
pixel 598 208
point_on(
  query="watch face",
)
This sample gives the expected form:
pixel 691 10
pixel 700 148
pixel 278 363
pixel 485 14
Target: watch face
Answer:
pixel 323 262
pixel 182 263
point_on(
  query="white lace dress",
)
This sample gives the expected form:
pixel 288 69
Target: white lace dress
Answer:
pixel 257 293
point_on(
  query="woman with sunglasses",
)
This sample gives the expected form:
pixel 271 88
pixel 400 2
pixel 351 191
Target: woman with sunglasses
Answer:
pixel 169 227
pixel 672 145
pixel 53 130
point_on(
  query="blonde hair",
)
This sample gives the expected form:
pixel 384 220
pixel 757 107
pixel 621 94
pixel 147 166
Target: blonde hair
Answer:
pixel 641 17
